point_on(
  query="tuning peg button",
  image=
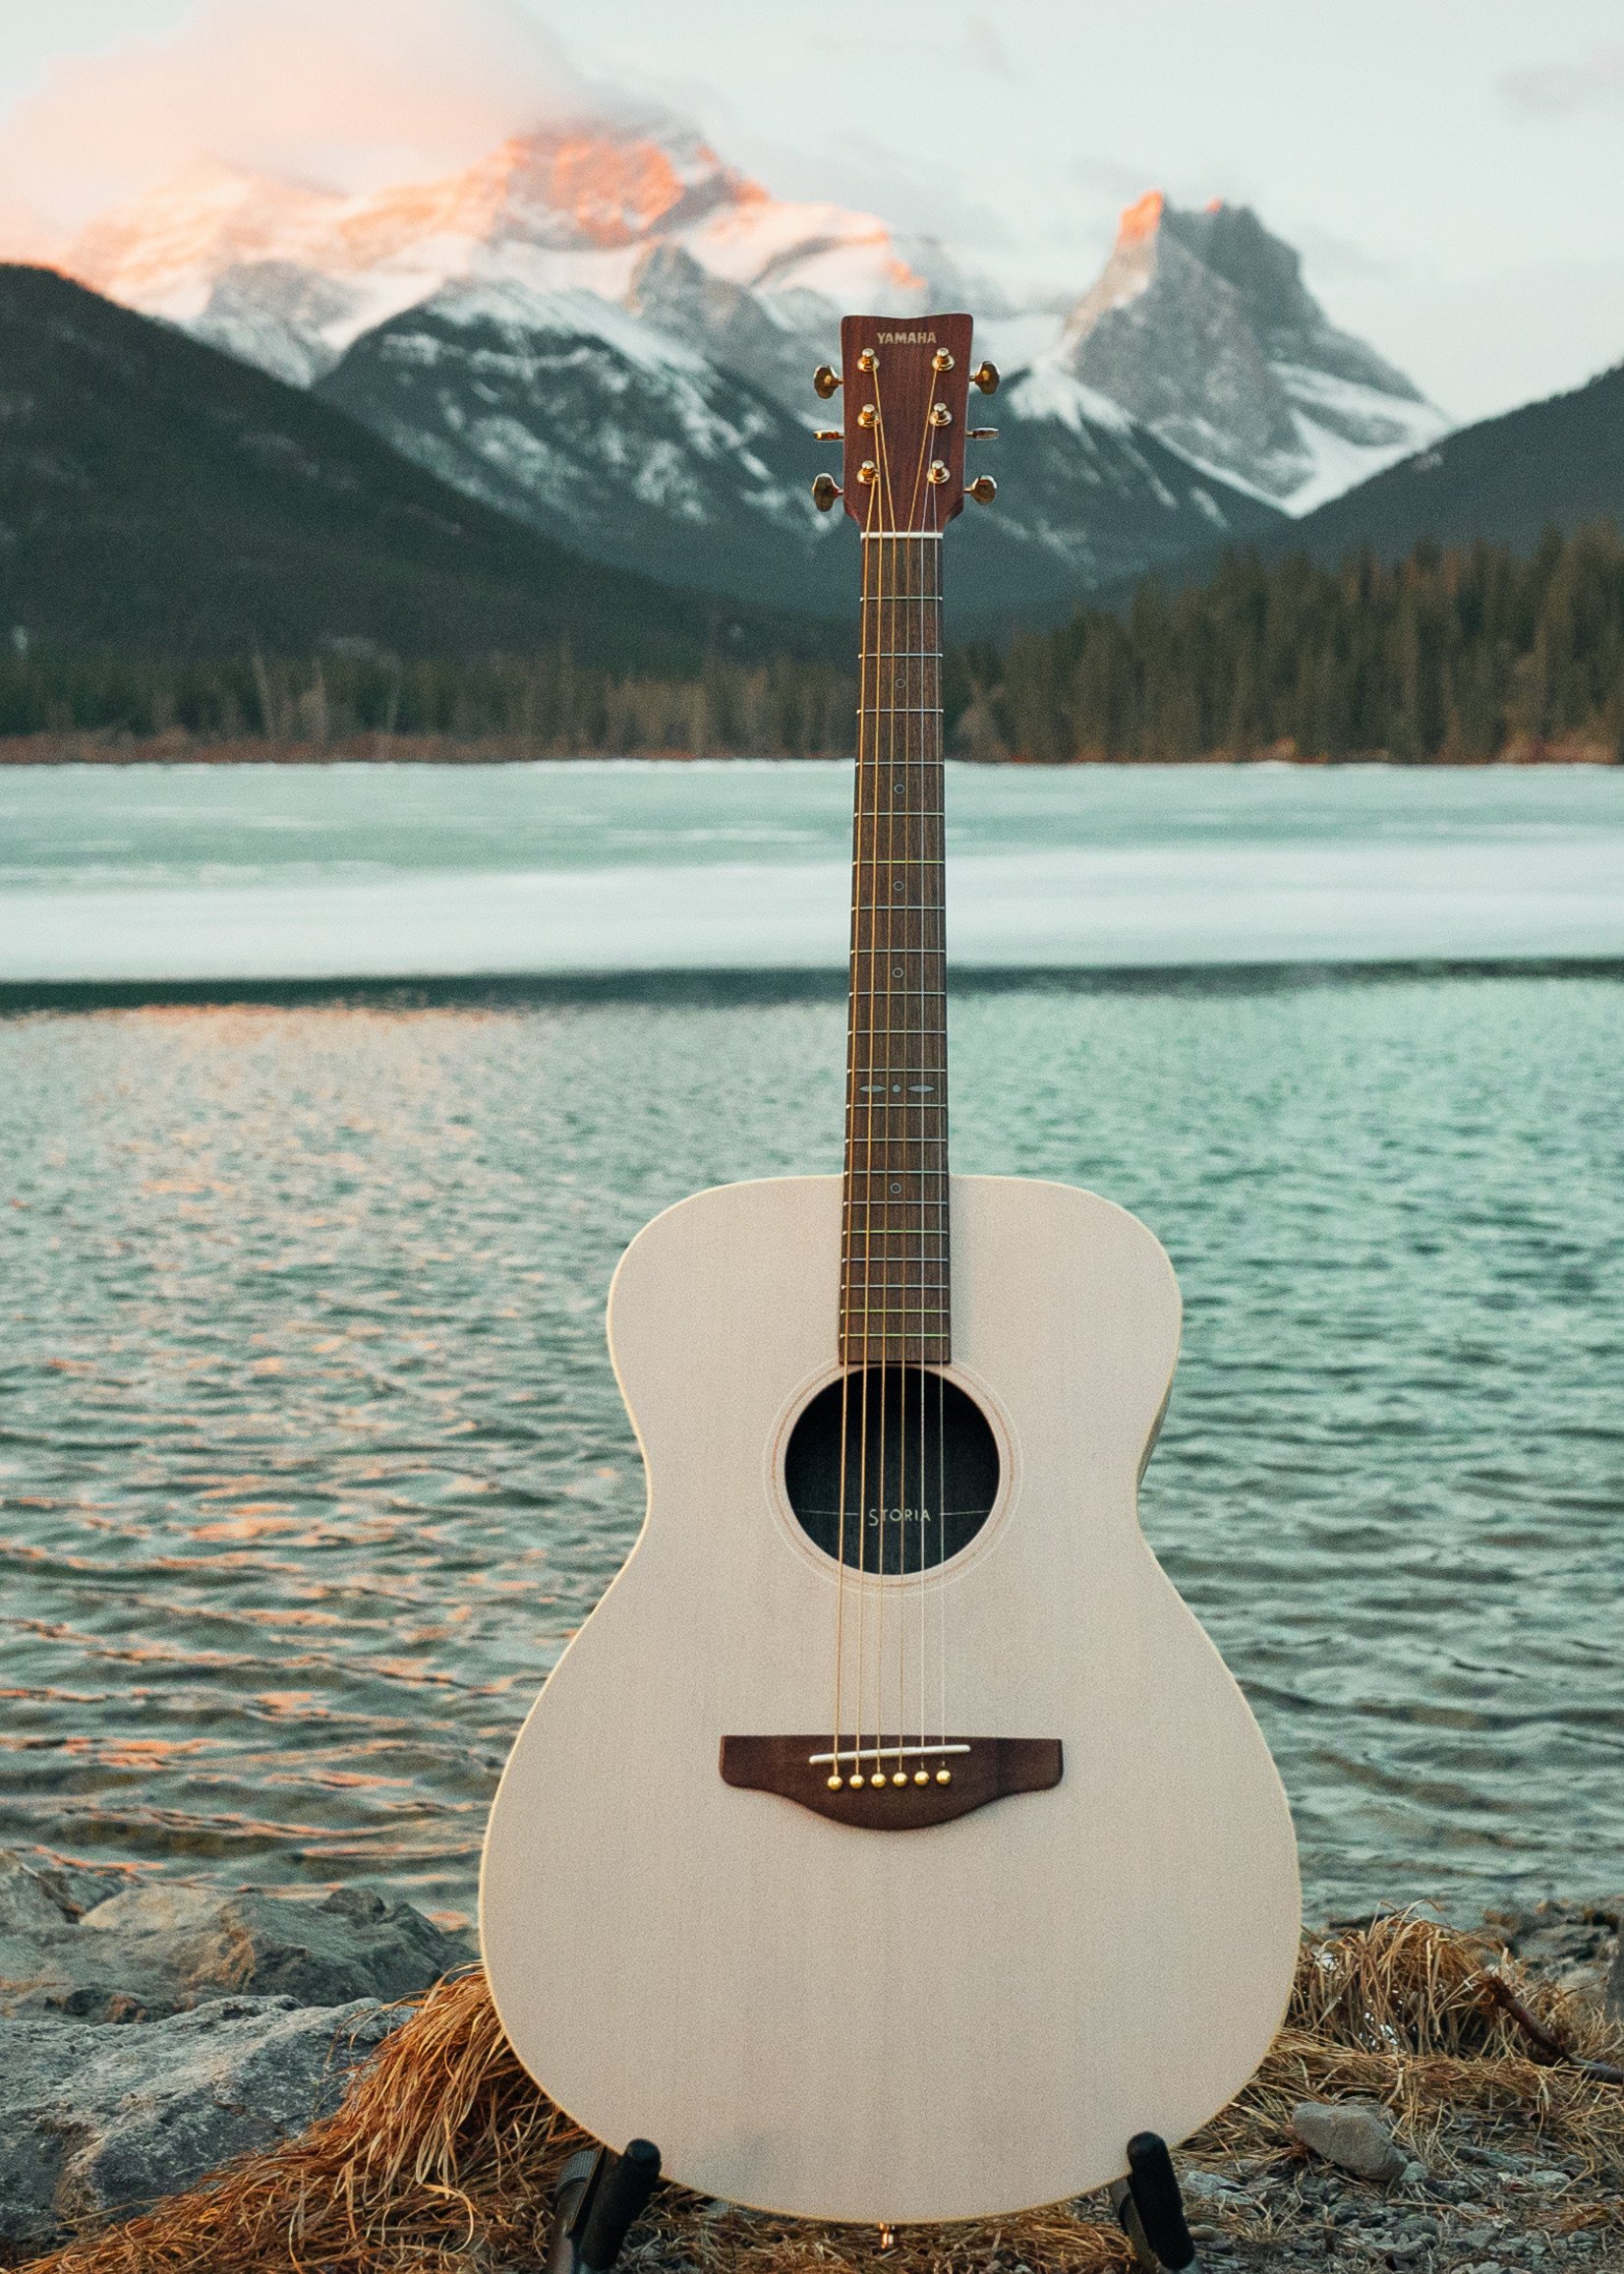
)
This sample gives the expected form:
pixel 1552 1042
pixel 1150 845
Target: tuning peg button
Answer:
pixel 825 491
pixel 828 434
pixel 985 377
pixel 983 489
pixel 826 380
pixel 981 434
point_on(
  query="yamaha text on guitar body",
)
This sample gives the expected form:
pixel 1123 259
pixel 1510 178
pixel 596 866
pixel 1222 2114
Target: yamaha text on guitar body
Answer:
pixel 890 1843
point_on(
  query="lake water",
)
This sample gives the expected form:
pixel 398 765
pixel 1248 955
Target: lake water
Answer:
pixel 310 1454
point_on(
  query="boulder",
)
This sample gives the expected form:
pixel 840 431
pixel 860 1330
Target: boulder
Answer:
pixel 1353 2135
pixel 149 1951
pixel 97 2122
pixel 43 1898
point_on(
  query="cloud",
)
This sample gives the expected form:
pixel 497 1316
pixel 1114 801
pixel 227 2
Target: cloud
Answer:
pixel 355 94
pixel 1342 260
pixel 1558 89
pixel 987 50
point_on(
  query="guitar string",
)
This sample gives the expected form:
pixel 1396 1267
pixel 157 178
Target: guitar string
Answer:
pixel 885 754
pixel 944 1219
pixel 928 671
pixel 848 1213
pixel 868 740
pixel 906 568
pixel 915 840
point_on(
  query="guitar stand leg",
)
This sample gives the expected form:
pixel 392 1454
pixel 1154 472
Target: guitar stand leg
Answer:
pixel 598 2198
pixel 1150 2208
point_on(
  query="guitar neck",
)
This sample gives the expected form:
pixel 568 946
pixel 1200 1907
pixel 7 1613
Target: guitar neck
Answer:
pixel 894 1260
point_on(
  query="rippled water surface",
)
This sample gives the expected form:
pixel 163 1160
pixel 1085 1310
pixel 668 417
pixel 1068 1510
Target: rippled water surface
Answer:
pixel 311 1458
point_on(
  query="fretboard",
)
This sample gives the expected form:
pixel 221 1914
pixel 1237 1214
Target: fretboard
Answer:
pixel 894 1276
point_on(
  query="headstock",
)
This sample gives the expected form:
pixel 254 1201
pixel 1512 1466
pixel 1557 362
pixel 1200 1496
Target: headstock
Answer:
pixel 906 385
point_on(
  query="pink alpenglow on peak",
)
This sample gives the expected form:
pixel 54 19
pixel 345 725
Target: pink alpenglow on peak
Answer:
pixel 1141 219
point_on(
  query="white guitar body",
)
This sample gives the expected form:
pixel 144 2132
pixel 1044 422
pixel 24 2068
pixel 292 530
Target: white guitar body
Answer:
pixel 952 2021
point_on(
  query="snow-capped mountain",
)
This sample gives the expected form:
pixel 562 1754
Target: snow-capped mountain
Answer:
pixel 264 266
pixel 1202 328
pixel 608 331
pixel 582 419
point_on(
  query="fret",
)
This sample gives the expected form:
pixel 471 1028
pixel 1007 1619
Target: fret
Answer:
pixel 907 1288
pixel 867 1236
pixel 896 1317
pixel 901 1168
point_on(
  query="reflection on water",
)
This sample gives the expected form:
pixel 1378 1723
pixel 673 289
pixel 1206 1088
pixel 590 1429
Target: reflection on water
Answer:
pixel 311 1458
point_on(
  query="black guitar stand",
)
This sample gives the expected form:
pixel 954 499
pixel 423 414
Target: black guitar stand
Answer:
pixel 1150 2208
pixel 600 2196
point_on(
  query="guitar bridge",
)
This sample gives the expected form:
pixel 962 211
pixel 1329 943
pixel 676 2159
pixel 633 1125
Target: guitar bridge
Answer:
pixel 891 1783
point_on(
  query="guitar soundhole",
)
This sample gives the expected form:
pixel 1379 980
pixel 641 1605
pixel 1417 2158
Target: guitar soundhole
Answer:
pixel 921 1470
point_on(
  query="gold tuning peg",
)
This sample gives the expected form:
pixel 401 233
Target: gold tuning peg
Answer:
pixel 829 434
pixel 826 380
pixel 978 435
pixel 985 377
pixel 825 491
pixel 983 489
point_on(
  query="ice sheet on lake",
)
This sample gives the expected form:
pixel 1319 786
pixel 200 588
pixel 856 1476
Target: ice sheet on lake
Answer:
pixel 1559 894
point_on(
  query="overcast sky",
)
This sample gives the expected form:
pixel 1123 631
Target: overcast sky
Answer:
pixel 1452 170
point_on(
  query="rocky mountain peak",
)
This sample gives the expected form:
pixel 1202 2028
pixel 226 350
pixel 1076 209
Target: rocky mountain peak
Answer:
pixel 592 183
pixel 1232 243
pixel 1201 326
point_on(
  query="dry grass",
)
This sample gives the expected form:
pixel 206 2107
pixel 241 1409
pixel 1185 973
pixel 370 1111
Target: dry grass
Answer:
pixel 1395 2013
pixel 443 2154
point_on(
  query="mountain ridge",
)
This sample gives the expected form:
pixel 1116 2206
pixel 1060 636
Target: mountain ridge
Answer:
pixel 158 497
pixel 1555 463
pixel 638 221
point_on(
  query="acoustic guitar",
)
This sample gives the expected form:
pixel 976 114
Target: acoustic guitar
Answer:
pixel 890 1843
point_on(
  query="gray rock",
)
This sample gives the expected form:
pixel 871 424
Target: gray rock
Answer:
pixel 96 2121
pixel 1210 2186
pixel 1612 1994
pixel 1352 2134
pixel 1574 1944
pixel 43 1898
pixel 160 1948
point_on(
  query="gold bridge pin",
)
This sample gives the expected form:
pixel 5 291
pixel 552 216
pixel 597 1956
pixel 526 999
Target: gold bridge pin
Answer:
pixel 944 1777
pixel 901 1777
pixel 837 1783
pixel 857 1781
pixel 921 1775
